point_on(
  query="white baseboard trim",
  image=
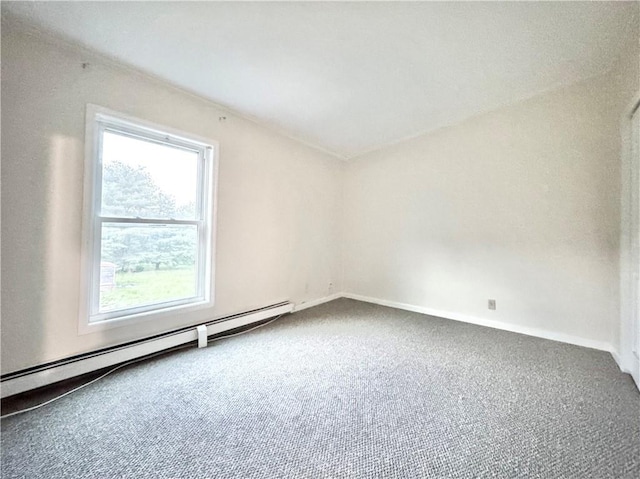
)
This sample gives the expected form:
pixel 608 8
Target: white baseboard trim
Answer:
pixel 618 360
pixel 537 332
pixel 83 365
pixel 315 302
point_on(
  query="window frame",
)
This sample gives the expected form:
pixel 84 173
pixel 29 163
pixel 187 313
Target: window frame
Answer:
pixel 99 120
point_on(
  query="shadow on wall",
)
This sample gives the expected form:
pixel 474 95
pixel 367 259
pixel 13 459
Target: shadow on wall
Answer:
pixel 62 248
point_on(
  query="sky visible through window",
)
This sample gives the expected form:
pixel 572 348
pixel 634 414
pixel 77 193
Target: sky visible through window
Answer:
pixel 173 170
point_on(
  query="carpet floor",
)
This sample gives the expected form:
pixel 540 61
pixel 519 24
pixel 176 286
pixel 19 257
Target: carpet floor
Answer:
pixel 344 390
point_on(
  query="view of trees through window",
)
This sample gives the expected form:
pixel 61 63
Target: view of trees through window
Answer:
pixel 146 263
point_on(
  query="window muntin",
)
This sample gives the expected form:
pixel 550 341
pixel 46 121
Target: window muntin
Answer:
pixel 151 221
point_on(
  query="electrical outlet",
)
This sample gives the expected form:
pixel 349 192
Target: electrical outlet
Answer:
pixel 330 287
pixel 492 304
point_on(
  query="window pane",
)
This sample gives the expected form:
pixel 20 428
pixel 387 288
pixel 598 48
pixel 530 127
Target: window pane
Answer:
pixel 147 264
pixel 147 180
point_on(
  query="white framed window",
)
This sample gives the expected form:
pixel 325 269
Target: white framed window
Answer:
pixel 148 221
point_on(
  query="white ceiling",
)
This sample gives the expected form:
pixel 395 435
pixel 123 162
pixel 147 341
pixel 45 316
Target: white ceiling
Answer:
pixel 350 77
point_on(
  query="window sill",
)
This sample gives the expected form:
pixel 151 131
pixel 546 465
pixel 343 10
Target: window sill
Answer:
pixel 89 327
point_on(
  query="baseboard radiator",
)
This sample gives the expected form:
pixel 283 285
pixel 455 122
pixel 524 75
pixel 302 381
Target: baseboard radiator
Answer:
pixel 38 376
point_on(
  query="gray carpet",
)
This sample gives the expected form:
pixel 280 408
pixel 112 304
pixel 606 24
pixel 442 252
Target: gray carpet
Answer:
pixel 348 390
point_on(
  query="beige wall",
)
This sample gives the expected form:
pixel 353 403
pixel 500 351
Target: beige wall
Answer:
pixel 278 211
pixel 520 205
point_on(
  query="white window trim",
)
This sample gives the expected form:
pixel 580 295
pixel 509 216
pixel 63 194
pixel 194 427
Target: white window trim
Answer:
pixel 96 117
pixel 627 352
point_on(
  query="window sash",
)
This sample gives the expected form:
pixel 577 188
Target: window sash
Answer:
pixel 200 270
pixel 155 137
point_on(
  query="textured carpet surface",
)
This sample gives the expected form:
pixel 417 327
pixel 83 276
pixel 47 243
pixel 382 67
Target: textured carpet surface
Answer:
pixel 345 389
